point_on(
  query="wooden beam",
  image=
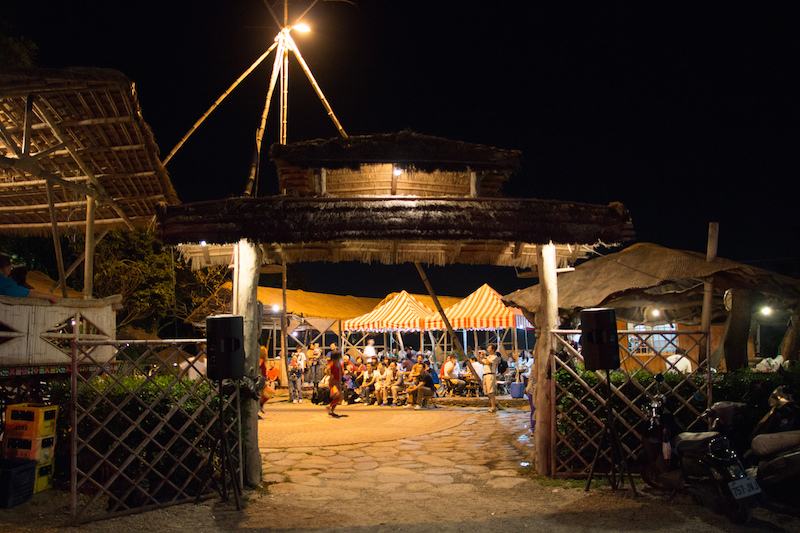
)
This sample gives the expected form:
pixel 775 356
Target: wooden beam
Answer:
pixel 88 250
pixel 62 278
pixel 62 137
pixel 75 264
pixel 546 321
pixel 26 128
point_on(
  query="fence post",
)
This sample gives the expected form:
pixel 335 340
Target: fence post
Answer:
pixel 547 320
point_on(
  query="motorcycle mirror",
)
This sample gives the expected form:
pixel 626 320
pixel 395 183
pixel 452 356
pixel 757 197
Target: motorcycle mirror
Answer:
pixel 659 377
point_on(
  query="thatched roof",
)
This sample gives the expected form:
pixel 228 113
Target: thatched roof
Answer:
pixel 87 136
pixel 404 148
pixel 431 230
pixel 646 276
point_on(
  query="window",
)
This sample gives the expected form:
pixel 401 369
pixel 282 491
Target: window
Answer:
pixel 664 344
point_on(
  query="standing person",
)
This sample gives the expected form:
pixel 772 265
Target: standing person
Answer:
pixel 302 359
pixel 335 383
pixel 369 351
pixel 490 361
pixel 295 381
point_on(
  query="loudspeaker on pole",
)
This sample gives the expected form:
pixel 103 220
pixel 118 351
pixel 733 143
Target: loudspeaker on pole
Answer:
pixel 599 344
pixel 225 346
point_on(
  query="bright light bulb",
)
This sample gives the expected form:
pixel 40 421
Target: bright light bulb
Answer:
pixel 302 27
pixel 656 313
pixel 276 308
pixel 203 243
pixel 766 310
pixel 294 334
pixel 397 171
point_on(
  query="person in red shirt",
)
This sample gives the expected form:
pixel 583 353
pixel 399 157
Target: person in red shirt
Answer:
pixel 335 372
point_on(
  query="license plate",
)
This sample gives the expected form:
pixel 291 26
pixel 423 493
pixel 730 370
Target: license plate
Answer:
pixel 742 488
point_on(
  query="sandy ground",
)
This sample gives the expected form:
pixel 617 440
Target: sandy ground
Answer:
pixel 468 476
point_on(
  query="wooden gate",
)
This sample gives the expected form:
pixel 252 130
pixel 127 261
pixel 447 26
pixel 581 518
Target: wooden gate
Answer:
pixel 144 423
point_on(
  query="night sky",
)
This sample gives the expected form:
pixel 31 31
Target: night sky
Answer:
pixel 686 113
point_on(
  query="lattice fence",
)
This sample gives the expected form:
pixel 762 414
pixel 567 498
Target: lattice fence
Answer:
pixel 144 424
pixel 579 395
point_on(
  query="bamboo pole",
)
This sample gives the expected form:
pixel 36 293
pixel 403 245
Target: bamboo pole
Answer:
pixel 217 102
pixel 547 319
pixel 708 291
pixel 315 85
pixel 75 264
pixel 88 250
pixel 273 79
pixel 284 96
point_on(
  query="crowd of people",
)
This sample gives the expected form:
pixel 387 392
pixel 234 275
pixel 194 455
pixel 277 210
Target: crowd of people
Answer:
pixel 397 377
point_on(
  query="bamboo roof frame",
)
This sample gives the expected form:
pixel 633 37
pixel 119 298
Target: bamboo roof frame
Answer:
pixel 69 134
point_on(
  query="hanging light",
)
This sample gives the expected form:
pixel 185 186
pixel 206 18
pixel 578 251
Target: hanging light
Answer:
pixel 302 27
pixel 203 243
pixel 397 171
pixel 276 308
pixel 655 313
pixel 766 310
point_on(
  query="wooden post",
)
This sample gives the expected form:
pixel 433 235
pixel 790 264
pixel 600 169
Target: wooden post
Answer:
pixel 248 265
pixel 284 331
pixel 708 291
pixel 456 343
pixel 88 249
pixel 547 320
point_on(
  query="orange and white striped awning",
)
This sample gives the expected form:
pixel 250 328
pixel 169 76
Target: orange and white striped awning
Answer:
pixel 403 312
pixel 483 309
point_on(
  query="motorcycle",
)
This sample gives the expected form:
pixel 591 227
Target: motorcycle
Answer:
pixel 774 453
pixel 704 464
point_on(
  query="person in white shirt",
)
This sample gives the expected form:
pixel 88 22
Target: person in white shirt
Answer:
pixel 369 351
pixel 490 360
pixel 450 373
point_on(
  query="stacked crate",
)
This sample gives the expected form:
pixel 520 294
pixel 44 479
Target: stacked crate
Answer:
pixel 30 433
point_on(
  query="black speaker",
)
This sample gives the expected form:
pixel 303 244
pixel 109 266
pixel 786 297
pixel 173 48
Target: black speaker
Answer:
pixel 225 346
pixel 599 345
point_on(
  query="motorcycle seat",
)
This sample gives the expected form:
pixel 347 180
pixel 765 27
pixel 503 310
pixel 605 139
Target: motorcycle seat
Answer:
pixel 770 443
pixel 688 442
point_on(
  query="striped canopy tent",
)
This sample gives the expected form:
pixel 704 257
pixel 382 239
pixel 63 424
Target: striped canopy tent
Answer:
pixel 482 310
pixel 401 313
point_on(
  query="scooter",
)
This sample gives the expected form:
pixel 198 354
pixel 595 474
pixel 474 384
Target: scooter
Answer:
pixel 702 463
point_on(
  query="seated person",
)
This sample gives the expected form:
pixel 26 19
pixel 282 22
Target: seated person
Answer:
pixel 421 390
pixel 366 384
pixel 398 385
pixel 349 394
pixel 9 287
pixel 450 373
pixel 416 370
pixel 380 389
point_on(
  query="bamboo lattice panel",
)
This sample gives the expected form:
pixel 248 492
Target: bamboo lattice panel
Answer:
pixel 579 396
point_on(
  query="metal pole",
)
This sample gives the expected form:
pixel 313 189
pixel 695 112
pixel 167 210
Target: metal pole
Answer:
pixel 217 102
pixel 284 326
